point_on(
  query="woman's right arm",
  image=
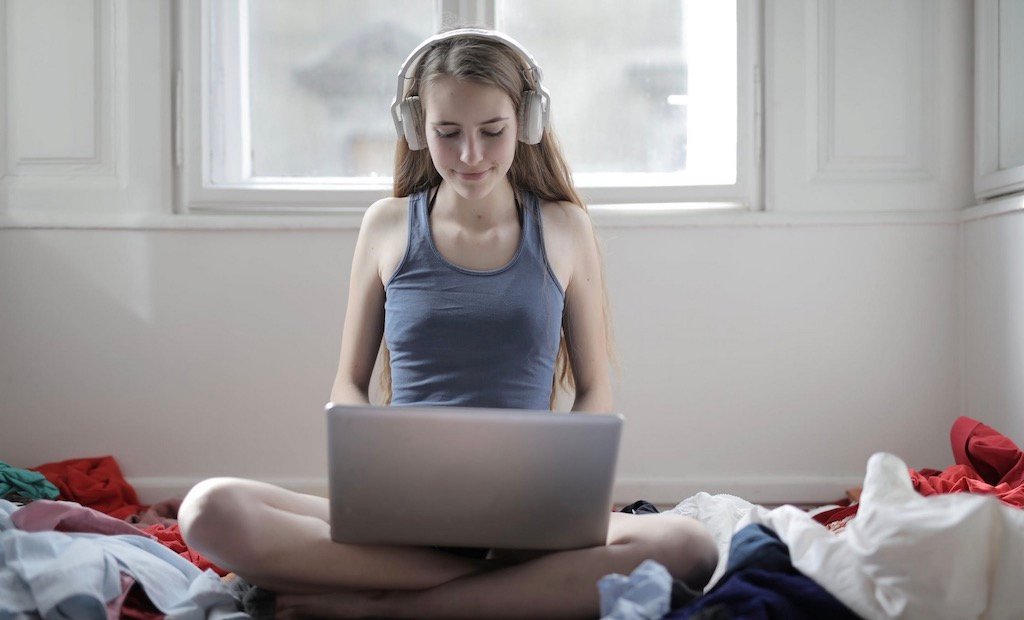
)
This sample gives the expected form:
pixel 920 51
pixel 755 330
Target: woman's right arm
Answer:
pixel 364 316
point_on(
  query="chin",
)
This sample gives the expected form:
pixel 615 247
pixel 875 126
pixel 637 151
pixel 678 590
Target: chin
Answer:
pixel 472 191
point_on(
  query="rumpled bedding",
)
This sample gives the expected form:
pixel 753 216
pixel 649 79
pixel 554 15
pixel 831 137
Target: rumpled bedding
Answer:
pixel 761 582
pixel 911 544
pixel 112 558
pixel 949 556
pixel 96 483
pixel 912 547
pixel 74 575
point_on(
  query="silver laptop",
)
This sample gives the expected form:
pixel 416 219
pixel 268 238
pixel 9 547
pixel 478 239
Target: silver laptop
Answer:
pixel 463 477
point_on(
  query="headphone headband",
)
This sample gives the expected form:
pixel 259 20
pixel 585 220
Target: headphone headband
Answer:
pixel 410 65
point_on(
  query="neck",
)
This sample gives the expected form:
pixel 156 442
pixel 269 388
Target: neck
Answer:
pixel 494 209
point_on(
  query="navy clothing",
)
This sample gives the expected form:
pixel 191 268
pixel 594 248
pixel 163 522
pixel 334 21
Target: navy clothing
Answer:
pixel 760 583
pixel 459 337
pixel 640 507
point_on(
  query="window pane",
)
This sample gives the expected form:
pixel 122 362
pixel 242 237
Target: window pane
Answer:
pixel 321 79
pixel 648 88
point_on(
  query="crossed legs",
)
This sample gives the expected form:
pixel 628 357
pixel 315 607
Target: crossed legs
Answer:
pixel 280 540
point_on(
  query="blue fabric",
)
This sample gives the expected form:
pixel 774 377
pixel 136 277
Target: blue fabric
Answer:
pixel 757 546
pixel 73 575
pixel 459 337
pixel 760 583
pixel 645 594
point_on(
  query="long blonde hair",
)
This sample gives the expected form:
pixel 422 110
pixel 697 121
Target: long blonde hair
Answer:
pixel 539 168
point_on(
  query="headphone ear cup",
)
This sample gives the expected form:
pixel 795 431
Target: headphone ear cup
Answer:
pixel 413 123
pixel 531 118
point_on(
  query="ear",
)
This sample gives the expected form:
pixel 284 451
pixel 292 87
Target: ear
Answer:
pixel 413 123
pixel 531 118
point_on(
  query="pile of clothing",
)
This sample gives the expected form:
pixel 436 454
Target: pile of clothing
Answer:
pixel 75 542
pixel 918 544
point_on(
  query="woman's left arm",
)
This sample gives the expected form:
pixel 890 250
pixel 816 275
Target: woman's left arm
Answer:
pixel 586 324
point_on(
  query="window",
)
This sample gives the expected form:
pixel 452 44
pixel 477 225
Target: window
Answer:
pixel 284 103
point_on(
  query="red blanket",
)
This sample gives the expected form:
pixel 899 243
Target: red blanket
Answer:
pixel 95 483
pixel 987 462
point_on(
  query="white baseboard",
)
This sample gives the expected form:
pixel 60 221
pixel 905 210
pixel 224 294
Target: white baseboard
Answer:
pixel 807 490
pixel 804 490
pixel 155 489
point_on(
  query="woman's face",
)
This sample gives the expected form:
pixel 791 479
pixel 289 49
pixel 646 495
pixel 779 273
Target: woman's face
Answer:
pixel 471 134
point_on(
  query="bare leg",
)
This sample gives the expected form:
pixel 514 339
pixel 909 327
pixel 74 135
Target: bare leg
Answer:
pixel 280 540
pixel 556 585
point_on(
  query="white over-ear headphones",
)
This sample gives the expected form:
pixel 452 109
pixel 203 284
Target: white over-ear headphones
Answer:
pixel 407 113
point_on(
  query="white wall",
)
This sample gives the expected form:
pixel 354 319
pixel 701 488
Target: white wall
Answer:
pixel 994 307
pixel 764 354
pixel 794 354
pixel 191 353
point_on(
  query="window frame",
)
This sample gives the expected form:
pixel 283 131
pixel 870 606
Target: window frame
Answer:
pixel 196 193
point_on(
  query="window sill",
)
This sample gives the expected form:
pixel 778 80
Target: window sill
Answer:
pixel 660 216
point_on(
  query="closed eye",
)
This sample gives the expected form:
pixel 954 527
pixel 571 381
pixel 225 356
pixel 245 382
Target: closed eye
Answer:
pixel 452 134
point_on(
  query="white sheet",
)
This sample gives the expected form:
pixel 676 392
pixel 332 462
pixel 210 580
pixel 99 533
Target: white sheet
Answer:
pixel 940 557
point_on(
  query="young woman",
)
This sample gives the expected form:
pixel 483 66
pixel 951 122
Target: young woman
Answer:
pixel 483 278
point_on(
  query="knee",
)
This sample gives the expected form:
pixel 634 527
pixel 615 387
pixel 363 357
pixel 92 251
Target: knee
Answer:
pixel 210 513
pixel 687 550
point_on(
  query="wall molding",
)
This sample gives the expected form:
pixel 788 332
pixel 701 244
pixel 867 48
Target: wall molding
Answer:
pixel 97 162
pixel 93 170
pixel 994 208
pixel 797 489
pixel 108 94
pixel 916 161
pixel 866 107
pixel 4 121
pixel 991 178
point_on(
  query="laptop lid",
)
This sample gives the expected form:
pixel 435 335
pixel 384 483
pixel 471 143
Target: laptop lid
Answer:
pixel 465 477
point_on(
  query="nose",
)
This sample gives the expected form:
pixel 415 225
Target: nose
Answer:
pixel 472 150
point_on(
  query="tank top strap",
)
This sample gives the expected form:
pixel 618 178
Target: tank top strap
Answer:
pixel 418 239
pixel 533 240
pixel 419 222
pixel 533 229
pixel 420 244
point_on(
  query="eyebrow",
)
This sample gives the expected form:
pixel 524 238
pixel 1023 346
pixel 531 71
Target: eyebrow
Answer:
pixel 487 122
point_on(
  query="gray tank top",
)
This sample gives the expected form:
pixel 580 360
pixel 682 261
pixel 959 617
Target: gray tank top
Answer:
pixel 460 337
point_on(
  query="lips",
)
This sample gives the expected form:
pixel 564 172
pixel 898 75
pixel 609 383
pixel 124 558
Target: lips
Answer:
pixel 472 176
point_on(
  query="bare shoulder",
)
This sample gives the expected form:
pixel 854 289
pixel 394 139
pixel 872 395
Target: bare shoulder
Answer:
pixel 568 233
pixel 384 233
pixel 567 222
pixel 385 215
